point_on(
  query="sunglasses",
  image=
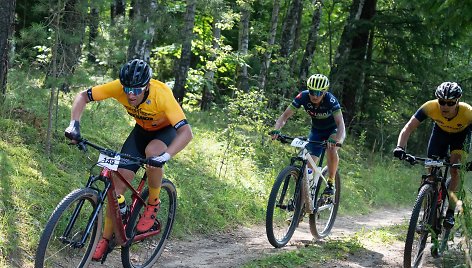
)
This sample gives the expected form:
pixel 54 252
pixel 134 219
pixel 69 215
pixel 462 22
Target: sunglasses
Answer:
pixel 135 90
pixel 316 93
pixel 448 103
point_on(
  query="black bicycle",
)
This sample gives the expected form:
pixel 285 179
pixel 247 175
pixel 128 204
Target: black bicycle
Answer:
pixel 429 211
pixel 296 192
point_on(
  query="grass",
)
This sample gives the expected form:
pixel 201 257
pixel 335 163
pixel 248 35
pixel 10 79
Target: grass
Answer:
pixel 223 177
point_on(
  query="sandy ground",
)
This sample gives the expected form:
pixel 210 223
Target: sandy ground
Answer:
pixel 233 249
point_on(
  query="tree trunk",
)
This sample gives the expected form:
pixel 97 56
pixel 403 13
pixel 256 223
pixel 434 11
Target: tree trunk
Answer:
pixel 184 64
pixel 311 43
pixel 296 40
pixel 243 78
pixel 270 44
pixel 94 19
pixel 348 73
pixel 70 32
pixel 208 87
pixel 117 10
pixel 7 17
pixel 289 27
pixel 142 32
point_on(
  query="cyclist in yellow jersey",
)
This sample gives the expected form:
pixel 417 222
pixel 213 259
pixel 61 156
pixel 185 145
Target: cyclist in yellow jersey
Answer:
pixel 452 124
pixel 161 131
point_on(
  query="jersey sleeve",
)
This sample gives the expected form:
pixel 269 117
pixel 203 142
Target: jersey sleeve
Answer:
pixel 297 101
pixel 423 112
pixel 335 106
pixel 173 111
pixel 105 91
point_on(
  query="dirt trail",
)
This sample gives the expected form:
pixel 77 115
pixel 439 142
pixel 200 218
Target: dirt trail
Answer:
pixel 233 249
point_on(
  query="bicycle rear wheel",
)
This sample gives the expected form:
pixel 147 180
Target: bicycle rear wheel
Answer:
pixel 144 250
pixel 283 207
pixel 420 227
pixel 326 209
pixel 61 244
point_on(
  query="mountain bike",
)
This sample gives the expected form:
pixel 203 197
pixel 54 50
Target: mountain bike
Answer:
pixel 296 193
pixel 428 211
pixel 73 230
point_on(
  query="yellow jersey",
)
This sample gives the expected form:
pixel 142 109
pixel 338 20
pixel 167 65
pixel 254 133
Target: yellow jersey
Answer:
pixel 454 125
pixel 158 110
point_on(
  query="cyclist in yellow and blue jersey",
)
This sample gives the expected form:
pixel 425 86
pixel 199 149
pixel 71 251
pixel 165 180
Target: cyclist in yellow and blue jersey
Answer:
pixel 327 122
pixel 160 132
pixel 452 124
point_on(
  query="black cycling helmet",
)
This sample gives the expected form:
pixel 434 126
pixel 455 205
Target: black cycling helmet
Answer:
pixel 135 73
pixel 448 91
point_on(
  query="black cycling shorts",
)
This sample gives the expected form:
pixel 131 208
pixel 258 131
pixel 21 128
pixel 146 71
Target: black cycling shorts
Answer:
pixel 441 141
pixel 138 140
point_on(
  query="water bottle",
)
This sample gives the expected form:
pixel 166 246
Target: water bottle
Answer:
pixel 123 207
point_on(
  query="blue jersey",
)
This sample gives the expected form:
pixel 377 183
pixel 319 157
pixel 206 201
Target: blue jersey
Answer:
pixel 322 115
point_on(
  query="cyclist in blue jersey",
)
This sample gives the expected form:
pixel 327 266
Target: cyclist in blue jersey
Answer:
pixel 327 122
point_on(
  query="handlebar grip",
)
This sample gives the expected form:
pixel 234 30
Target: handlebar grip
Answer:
pixel 154 163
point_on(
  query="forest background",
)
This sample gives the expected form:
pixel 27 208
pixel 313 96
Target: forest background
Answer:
pixel 233 65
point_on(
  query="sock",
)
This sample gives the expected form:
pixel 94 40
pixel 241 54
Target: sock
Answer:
pixel 331 180
pixel 154 195
pixel 107 228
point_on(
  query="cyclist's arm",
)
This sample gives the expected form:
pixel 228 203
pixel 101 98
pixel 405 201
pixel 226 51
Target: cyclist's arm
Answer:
pixel 407 130
pixel 78 106
pixel 184 136
pixel 284 117
pixel 341 128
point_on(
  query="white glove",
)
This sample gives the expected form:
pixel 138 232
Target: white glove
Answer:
pixel 161 158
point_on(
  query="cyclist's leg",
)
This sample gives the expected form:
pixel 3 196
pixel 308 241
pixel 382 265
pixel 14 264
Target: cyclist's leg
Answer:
pixel 439 144
pixel 314 149
pixel 158 143
pixel 131 147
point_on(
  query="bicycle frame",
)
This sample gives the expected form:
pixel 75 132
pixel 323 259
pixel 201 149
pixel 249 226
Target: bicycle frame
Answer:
pixel 303 182
pixel 109 192
pixel 437 179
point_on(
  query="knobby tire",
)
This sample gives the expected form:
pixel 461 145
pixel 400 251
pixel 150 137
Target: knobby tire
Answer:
pixel 324 216
pixel 55 250
pixel 420 227
pixel 145 253
pixel 284 207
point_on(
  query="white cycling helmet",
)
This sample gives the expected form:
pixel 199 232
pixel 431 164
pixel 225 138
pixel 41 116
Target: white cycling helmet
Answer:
pixel 317 82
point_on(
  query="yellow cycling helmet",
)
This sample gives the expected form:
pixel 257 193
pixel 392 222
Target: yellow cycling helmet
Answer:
pixel 317 82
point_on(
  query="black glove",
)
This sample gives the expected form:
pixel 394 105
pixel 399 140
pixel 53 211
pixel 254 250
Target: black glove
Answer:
pixel 72 132
pixel 399 152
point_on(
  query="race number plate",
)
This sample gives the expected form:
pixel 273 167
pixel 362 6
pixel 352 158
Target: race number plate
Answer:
pixel 108 162
pixel 299 143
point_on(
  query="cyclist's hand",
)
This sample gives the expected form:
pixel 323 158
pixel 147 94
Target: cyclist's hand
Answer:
pixel 331 143
pixel 72 132
pixel 399 152
pixel 159 161
pixel 275 133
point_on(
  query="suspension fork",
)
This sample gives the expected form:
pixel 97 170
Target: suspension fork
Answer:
pixel 94 215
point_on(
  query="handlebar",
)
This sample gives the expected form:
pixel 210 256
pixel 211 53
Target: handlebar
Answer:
pixel 429 162
pixel 287 139
pixel 82 145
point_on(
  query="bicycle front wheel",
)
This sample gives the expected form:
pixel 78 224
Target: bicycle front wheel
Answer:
pixel 283 207
pixel 326 208
pixel 65 241
pixel 419 228
pixel 146 247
